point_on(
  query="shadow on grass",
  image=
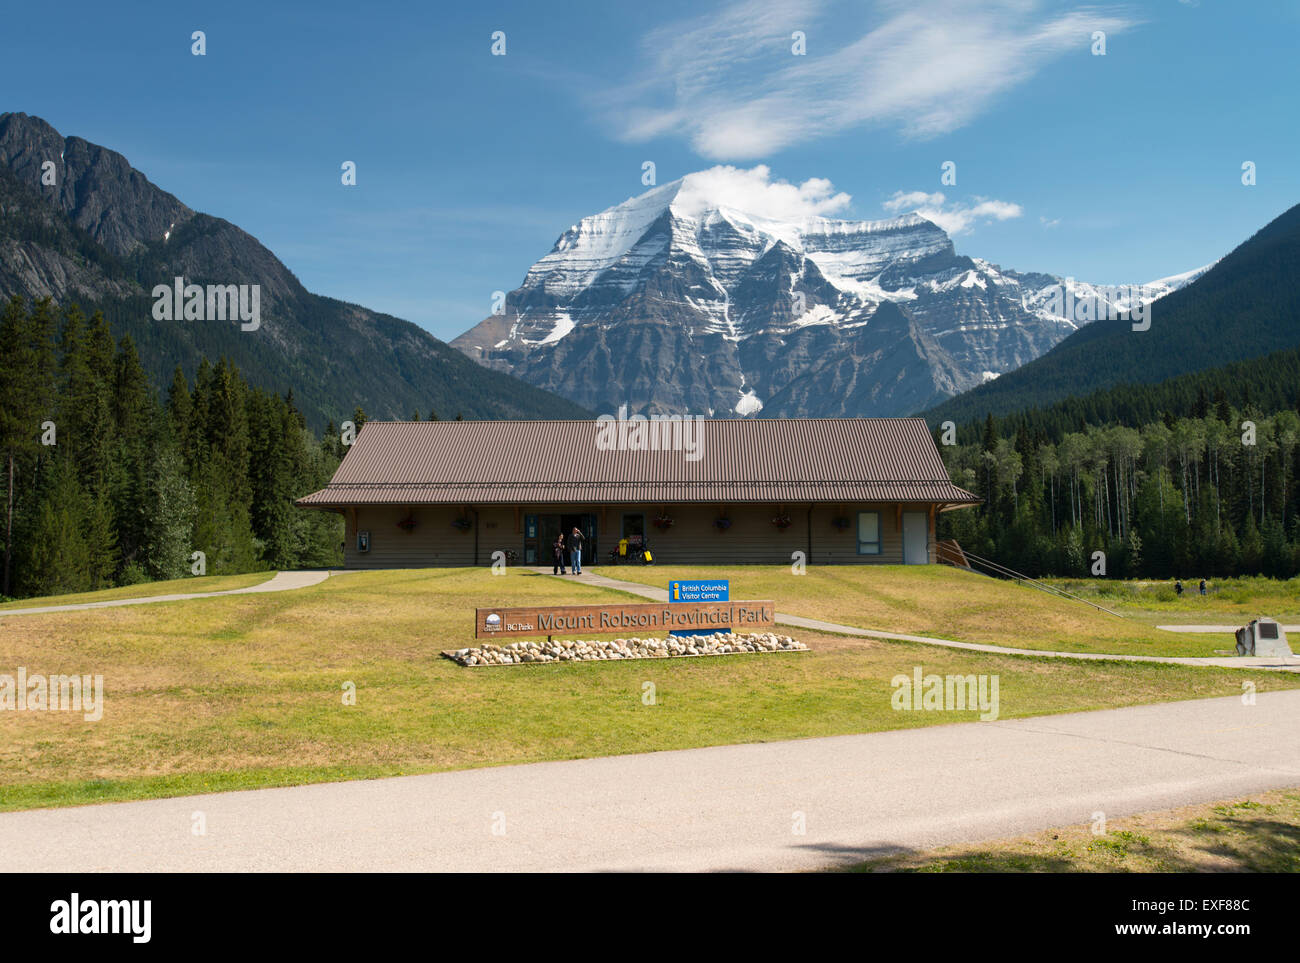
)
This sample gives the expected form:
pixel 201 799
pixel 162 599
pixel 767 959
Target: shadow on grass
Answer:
pixel 1238 837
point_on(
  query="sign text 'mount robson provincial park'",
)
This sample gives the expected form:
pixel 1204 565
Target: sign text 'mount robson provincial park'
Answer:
pixel 658 616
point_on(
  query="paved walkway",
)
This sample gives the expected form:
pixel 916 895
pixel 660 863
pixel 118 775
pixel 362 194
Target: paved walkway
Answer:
pixel 1278 663
pixel 281 582
pixel 721 808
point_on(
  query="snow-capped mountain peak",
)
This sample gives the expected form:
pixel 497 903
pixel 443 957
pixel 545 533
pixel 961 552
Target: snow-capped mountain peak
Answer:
pixel 752 293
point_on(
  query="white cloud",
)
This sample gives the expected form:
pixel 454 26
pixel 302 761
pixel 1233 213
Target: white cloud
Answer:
pixel 911 200
pixel 754 192
pixel 729 82
pixel 956 217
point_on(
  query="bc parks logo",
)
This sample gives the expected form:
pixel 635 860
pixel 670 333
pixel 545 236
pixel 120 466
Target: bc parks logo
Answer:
pixel 492 623
pixel 133 917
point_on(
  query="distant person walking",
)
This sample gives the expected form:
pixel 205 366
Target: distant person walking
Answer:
pixel 575 540
pixel 558 554
pixel 1202 586
pixel 1178 587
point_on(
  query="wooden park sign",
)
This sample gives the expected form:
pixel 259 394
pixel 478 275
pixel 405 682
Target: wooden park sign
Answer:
pixel 606 619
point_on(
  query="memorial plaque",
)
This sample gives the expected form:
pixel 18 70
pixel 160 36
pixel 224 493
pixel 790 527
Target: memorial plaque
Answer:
pixel 1263 637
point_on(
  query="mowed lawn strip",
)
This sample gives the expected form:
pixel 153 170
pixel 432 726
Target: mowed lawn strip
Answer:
pixel 180 586
pixel 1231 601
pixel 1258 834
pixel 247 691
pixel 938 601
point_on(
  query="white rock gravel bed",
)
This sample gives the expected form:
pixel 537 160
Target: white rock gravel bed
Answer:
pixel 719 643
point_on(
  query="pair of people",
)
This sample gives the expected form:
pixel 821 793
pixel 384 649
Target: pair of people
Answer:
pixel 573 549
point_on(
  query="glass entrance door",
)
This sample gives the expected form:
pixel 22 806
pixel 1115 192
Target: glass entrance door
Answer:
pixel 541 530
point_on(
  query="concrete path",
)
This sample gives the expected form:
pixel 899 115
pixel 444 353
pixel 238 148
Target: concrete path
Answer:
pixel 1275 663
pixel 723 808
pixel 281 582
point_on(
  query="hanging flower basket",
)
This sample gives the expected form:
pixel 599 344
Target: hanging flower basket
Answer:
pixel 663 521
pixel 407 524
pixel 841 522
pixel 781 521
pixel 462 524
pixel 722 523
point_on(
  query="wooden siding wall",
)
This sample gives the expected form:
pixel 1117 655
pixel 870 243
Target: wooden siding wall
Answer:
pixel 693 538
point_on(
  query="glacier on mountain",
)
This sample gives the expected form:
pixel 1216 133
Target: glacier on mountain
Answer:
pixel 675 301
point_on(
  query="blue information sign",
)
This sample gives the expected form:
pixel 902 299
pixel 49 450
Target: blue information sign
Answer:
pixel 706 590
pixel 702 590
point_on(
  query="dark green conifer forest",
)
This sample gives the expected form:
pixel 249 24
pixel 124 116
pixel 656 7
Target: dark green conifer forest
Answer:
pixel 107 483
pixel 1205 488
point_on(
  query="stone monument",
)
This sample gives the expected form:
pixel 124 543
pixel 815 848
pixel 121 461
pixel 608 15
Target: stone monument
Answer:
pixel 1263 637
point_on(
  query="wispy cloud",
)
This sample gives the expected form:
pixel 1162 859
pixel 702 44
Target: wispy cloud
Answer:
pixel 730 83
pixel 955 217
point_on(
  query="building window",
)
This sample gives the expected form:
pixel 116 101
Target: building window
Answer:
pixel 868 533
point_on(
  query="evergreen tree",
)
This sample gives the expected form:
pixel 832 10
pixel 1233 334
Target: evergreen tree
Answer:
pixel 127 489
pixel 166 550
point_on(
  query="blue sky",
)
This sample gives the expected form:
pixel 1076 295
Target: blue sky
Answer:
pixel 1113 169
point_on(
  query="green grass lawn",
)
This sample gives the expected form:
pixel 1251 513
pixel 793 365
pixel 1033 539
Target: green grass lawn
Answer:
pixel 1233 601
pixel 246 691
pixel 1258 834
pixel 937 601
pixel 180 586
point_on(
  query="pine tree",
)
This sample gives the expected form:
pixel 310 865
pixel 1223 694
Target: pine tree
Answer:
pixel 133 422
pixel 19 410
pixel 166 551
pixel 59 558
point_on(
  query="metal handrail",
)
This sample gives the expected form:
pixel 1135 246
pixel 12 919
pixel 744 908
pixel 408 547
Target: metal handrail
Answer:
pixel 1041 586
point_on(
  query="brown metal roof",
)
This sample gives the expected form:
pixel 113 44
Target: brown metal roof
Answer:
pixel 742 460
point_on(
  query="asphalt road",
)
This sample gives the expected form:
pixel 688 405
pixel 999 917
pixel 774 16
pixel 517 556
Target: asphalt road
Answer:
pixel 723 808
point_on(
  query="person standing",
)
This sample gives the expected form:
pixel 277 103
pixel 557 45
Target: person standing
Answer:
pixel 557 551
pixel 575 545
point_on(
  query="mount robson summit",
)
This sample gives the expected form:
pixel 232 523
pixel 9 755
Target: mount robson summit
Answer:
pixel 677 303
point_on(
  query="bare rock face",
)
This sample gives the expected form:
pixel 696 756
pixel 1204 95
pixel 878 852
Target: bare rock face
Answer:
pixel 97 188
pixel 694 307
